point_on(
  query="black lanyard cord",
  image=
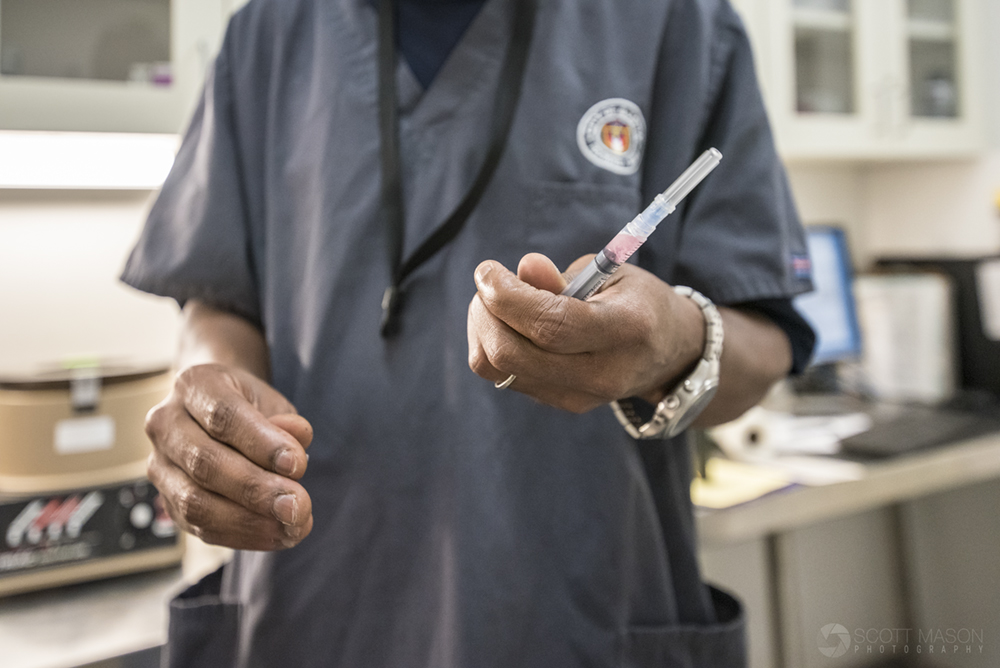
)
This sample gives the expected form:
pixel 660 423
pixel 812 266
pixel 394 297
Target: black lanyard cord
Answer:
pixel 508 93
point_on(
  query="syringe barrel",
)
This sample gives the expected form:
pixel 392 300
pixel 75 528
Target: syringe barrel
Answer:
pixel 590 280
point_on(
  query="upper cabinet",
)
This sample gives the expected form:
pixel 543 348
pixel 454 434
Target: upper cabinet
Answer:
pixel 869 79
pixel 105 65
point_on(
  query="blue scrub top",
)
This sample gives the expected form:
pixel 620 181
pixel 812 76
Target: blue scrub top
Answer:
pixel 456 525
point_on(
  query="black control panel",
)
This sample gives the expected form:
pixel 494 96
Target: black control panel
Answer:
pixel 52 530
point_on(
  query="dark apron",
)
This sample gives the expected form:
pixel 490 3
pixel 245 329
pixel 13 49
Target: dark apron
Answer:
pixel 203 630
pixel 204 633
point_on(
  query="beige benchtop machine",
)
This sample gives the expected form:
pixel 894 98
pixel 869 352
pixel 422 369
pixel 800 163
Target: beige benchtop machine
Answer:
pixel 74 501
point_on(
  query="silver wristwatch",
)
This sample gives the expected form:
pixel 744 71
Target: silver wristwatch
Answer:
pixel 688 399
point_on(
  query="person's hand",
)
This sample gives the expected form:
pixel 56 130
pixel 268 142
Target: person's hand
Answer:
pixel 227 452
pixel 634 338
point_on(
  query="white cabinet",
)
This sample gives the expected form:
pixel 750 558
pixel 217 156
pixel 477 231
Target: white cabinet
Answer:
pixel 105 65
pixel 869 79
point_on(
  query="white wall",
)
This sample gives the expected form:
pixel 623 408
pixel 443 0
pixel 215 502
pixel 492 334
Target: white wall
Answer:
pixel 934 208
pixel 909 208
pixel 833 194
pixel 60 256
pixel 918 208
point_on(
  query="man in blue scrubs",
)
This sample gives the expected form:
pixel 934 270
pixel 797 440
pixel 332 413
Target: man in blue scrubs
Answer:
pixel 441 521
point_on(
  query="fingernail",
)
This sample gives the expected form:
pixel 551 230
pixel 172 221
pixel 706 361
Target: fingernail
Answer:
pixel 483 271
pixel 292 535
pixel 284 463
pixel 284 509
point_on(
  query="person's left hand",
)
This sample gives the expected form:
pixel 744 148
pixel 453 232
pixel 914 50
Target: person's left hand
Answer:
pixel 633 338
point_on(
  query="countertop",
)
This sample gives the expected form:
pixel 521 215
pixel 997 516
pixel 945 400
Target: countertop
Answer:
pixel 885 482
pixel 79 624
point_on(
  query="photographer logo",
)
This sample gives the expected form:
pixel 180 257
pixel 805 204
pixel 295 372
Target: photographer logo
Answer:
pixel 834 640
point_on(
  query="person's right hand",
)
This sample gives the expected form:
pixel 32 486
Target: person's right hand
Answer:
pixel 227 452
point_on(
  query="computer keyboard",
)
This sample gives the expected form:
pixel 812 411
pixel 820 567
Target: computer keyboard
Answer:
pixel 919 428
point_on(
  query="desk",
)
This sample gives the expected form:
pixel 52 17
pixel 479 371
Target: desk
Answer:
pixel 913 545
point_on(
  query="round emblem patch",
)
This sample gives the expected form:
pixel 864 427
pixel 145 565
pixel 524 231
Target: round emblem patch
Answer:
pixel 612 134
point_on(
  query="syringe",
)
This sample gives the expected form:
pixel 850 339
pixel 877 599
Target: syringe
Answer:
pixel 634 234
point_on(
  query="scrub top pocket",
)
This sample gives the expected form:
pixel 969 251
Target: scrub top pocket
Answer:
pixel 719 645
pixel 204 630
pixel 568 219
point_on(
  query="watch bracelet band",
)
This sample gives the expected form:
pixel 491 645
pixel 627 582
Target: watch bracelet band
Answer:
pixel 624 409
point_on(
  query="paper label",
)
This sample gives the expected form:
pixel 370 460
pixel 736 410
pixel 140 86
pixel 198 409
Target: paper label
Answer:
pixel 908 336
pixel 79 435
pixel 988 284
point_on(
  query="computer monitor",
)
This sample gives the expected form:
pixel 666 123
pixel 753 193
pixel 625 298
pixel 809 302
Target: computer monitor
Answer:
pixel 830 307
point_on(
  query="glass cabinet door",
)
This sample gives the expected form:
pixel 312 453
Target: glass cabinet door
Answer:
pixel 104 65
pixel 933 64
pixel 107 40
pixel 825 79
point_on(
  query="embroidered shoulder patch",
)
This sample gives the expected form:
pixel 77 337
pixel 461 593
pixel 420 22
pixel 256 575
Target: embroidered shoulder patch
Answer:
pixel 801 266
pixel 612 134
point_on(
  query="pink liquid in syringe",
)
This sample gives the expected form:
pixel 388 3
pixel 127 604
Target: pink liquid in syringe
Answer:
pixel 621 248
